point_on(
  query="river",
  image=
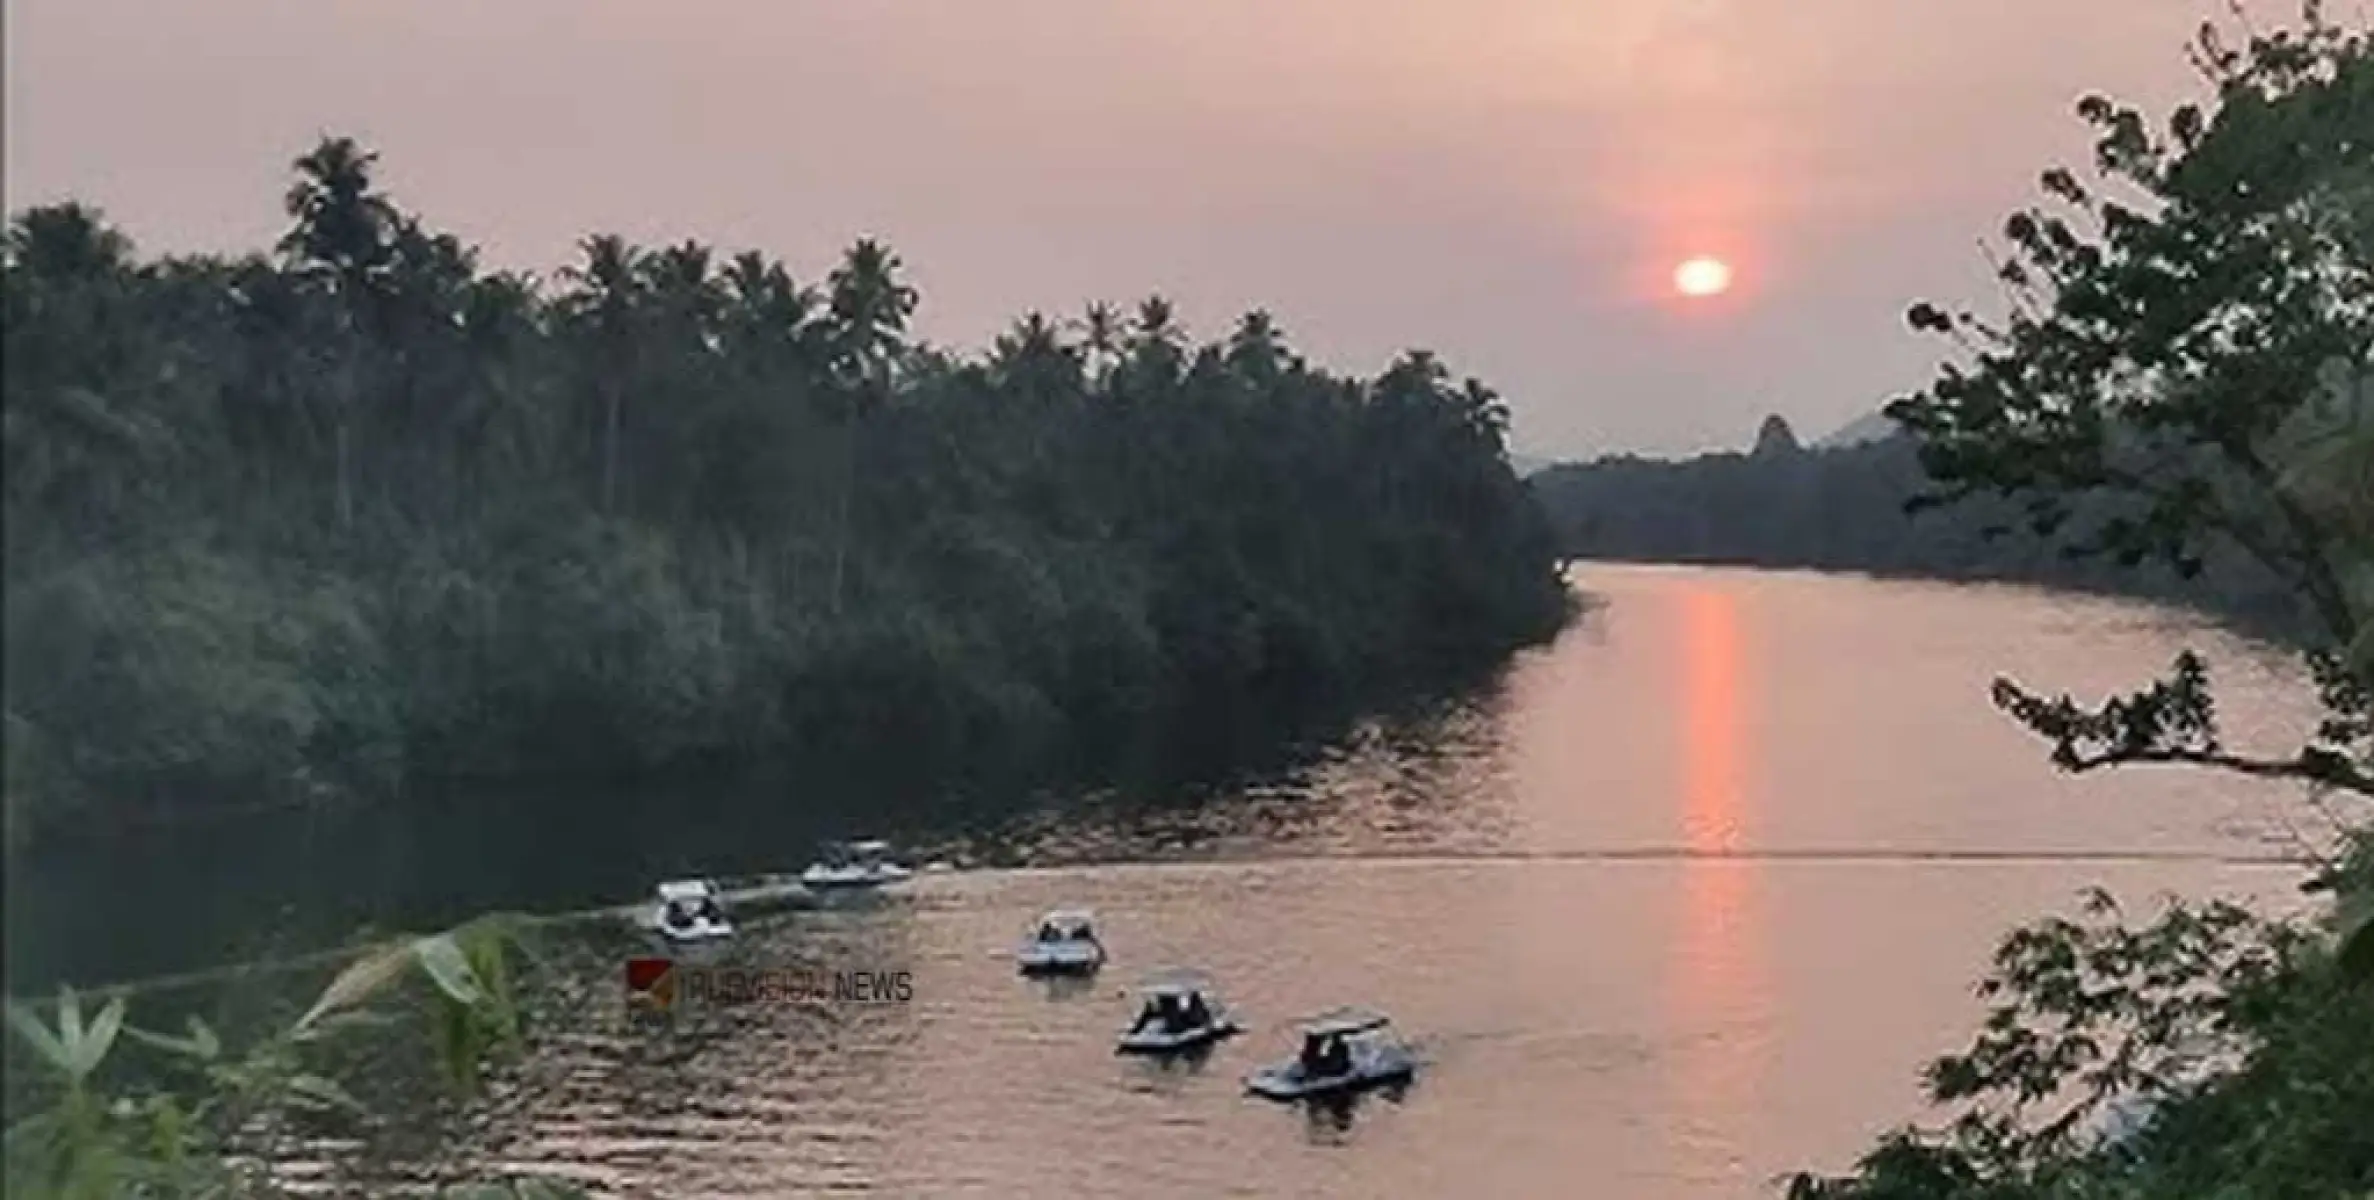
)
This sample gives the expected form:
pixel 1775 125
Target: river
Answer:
pixel 1676 904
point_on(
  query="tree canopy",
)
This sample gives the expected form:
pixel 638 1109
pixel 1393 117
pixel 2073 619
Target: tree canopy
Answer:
pixel 2190 331
pixel 2177 326
pixel 358 510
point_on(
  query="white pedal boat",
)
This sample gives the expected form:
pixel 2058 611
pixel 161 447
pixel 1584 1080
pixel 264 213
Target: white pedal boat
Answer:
pixel 1063 943
pixel 1177 1011
pixel 690 912
pixel 1342 1051
pixel 853 866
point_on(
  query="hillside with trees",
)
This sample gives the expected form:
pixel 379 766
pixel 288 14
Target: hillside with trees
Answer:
pixel 1860 507
pixel 324 521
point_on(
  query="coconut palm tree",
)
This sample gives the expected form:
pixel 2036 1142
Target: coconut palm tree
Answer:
pixel 1100 339
pixel 344 225
pixel 605 303
pixel 343 240
pixel 501 319
pixel 1257 349
pixel 686 292
pixel 1032 352
pixel 767 313
pixel 1156 349
pixel 1158 323
pixel 868 305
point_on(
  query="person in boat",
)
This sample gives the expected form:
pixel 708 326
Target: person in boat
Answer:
pixel 1162 1010
pixel 709 910
pixel 676 916
pixel 1194 1014
pixel 1312 1056
pixel 1176 1016
pixel 1325 1056
pixel 1049 933
pixel 1337 1058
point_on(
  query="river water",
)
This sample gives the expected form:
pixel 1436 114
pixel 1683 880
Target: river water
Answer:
pixel 1679 903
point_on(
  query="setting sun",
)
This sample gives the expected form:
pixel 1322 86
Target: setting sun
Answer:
pixel 1702 277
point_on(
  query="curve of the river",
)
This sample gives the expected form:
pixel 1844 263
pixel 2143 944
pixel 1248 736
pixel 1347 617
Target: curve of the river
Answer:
pixel 1680 903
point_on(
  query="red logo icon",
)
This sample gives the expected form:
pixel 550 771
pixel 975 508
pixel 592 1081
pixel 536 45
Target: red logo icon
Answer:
pixel 651 983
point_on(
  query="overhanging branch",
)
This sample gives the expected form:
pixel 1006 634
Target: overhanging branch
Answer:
pixel 2327 769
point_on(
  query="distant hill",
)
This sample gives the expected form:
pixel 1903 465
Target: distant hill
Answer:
pixel 1870 427
pixel 1526 464
pixel 1841 507
pixel 1775 437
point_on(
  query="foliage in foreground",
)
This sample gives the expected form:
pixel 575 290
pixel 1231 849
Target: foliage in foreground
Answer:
pixel 357 511
pixel 2212 1052
pixel 201 1120
pixel 2205 352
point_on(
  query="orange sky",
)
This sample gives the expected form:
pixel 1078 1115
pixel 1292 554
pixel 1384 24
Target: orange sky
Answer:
pixel 1507 181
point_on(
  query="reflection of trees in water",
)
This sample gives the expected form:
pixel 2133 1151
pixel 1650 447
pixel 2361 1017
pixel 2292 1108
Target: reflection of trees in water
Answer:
pixel 1429 774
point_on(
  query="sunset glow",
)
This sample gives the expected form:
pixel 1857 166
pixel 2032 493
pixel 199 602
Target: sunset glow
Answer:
pixel 1574 155
pixel 1702 277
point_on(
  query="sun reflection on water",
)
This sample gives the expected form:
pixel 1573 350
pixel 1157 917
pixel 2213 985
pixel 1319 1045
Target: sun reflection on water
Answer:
pixel 1719 984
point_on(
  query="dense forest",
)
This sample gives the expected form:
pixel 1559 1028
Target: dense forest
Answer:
pixel 325 520
pixel 1860 507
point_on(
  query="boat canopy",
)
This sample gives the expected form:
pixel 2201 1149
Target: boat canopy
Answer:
pixel 1070 922
pixel 1344 1022
pixel 852 853
pixel 1178 982
pixel 687 890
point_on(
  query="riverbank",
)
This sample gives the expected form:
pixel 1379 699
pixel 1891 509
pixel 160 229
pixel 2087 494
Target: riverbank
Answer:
pixel 1845 509
pixel 2260 615
pixel 317 528
pixel 448 850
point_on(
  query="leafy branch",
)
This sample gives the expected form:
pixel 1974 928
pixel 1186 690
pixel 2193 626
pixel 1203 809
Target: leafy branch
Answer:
pixel 2186 334
pixel 2174 720
pixel 179 1141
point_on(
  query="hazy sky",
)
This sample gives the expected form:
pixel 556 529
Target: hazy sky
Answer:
pixel 1509 182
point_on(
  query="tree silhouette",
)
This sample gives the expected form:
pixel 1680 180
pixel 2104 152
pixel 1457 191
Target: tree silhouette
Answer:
pixel 588 529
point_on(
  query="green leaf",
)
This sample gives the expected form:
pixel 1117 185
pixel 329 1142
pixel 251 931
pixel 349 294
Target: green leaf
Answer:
pixel 185 1047
pixel 450 969
pixel 69 1016
pixel 330 1024
pixel 28 1025
pixel 169 1130
pixel 458 1046
pixel 362 979
pixel 99 1038
pixel 318 1092
pixel 202 1037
